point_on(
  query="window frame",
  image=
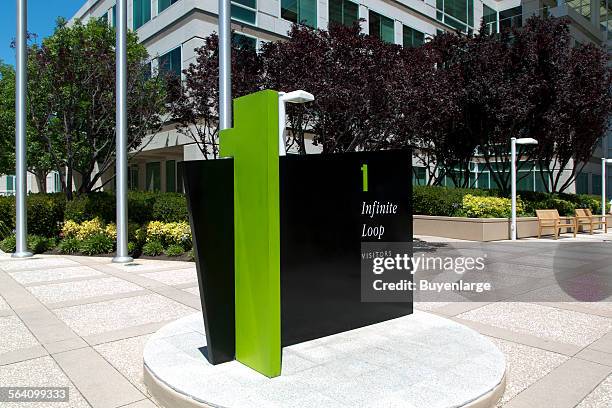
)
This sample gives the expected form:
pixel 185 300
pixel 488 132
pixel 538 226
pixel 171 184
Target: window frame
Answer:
pixel 342 22
pixel 280 13
pixel 254 10
pixel 380 34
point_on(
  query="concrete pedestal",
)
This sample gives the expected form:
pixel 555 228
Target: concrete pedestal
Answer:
pixel 416 361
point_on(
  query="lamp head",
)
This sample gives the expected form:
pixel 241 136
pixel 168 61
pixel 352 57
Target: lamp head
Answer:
pixel 526 141
pixel 298 96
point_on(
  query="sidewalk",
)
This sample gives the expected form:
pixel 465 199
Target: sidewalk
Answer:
pixel 82 322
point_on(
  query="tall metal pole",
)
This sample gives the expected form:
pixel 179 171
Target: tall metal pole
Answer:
pixel 603 186
pixel 513 187
pixel 225 65
pixel 121 134
pixel 20 133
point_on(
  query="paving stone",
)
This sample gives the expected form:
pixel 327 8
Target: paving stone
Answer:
pixel 126 357
pixel 49 275
pixel 601 397
pixel 62 292
pixel 175 277
pixel 121 313
pixel 194 291
pixel 563 326
pixel 15 335
pixel 5 306
pixel 40 372
pixel 525 365
pixel 36 263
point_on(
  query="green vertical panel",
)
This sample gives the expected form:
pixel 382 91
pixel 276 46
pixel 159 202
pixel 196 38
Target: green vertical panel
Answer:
pixel 253 142
pixel 350 13
pixel 170 176
pixel 335 11
pixel 387 30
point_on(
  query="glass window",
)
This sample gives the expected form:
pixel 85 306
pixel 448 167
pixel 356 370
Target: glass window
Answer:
pixel 10 183
pixel 114 16
pixel 142 12
pixel 458 14
pixel 171 62
pixel 164 4
pixel 511 18
pixel 343 12
pixel 419 176
pixel 171 176
pixel 596 186
pixel 412 37
pixel 489 16
pixel 104 18
pixel 582 7
pixel 300 11
pixel 133 178
pixel 382 27
pixel 153 176
pixel 244 10
pixel 582 183
pixel 244 41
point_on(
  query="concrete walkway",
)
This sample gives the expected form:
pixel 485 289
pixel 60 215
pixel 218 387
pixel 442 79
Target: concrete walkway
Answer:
pixel 82 322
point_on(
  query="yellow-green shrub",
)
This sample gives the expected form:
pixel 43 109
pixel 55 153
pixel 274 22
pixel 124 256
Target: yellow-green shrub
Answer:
pixel 489 207
pixel 86 229
pixel 169 233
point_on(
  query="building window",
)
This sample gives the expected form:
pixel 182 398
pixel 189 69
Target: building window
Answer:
pixel 596 185
pixel 511 18
pixel 164 4
pixel 419 176
pixel 170 176
pixel 244 10
pixel 114 16
pixel 104 18
pixel 582 7
pixel 142 12
pixel 412 37
pixel 10 184
pixel 489 16
pixel 244 41
pixel 153 176
pixel 381 27
pixel 582 183
pixel 171 62
pixel 57 182
pixel 343 12
pixel 458 14
pixel 300 11
pixel 133 178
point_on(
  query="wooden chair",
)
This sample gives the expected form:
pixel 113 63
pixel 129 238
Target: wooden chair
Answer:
pixel 584 216
pixel 551 219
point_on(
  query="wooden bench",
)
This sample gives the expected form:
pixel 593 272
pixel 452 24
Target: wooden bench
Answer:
pixel 551 219
pixel 584 216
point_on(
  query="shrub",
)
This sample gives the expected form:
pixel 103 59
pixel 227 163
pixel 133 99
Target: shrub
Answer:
pixel 170 207
pixel 5 231
pixel 93 205
pixel 131 247
pixel 489 207
pixel 96 244
pixel 436 200
pixel 140 206
pixel 90 228
pixel 69 246
pixel 39 244
pixel 174 250
pixel 45 214
pixel 191 255
pixel 565 208
pixel 9 244
pixel 7 211
pixel 153 248
pixel 170 233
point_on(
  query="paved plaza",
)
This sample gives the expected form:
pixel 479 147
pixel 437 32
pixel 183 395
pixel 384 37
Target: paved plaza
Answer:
pixel 82 322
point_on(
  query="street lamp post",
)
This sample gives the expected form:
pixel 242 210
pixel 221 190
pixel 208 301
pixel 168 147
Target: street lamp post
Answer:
pixel 283 98
pixel 225 65
pixel 604 162
pixel 21 249
pixel 513 142
pixel 121 126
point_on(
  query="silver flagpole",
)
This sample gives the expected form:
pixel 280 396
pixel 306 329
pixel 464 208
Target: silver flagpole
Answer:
pixel 121 134
pixel 225 65
pixel 20 133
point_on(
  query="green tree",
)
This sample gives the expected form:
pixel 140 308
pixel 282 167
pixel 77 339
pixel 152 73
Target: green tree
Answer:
pixel 72 101
pixel 7 119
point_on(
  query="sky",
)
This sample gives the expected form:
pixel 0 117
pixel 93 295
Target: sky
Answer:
pixel 41 21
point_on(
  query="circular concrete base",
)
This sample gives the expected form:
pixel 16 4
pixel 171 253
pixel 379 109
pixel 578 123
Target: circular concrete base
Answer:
pixel 416 361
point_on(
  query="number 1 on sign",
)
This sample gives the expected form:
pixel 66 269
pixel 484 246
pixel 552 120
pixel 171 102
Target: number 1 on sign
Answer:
pixel 364 172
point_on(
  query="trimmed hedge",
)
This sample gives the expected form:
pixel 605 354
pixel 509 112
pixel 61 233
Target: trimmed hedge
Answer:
pixel 45 213
pixel 445 201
